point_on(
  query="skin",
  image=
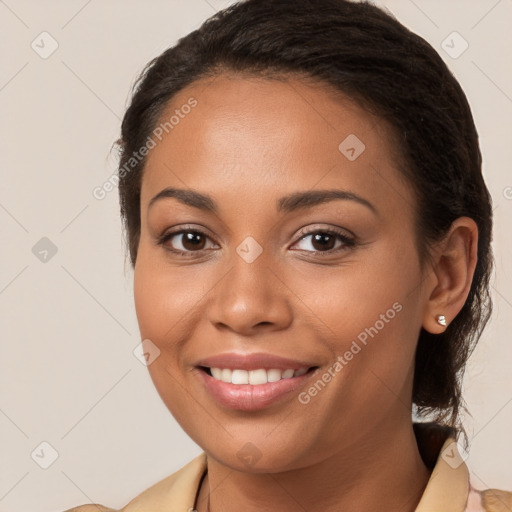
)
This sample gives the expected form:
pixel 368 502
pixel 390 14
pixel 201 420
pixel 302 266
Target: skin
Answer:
pixel 247 143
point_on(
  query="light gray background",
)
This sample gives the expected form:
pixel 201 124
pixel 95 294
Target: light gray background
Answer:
pixel 68 373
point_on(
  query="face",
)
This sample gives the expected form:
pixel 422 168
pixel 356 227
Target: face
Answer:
pixel 300 261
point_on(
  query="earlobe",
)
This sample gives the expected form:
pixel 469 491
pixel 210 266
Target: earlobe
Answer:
pixel 453 270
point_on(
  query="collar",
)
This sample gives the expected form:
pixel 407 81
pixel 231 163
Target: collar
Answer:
pixel 447 488
pixel 176 493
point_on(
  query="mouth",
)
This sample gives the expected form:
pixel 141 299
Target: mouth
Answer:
pixel 256 389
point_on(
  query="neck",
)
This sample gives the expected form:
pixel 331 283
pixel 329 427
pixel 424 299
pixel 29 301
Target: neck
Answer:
pixel 387 474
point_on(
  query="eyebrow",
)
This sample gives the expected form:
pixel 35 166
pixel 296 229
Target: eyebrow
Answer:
pixel 286 204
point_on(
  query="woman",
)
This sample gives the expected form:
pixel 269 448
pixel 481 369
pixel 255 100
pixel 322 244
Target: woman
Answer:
pixel 310 232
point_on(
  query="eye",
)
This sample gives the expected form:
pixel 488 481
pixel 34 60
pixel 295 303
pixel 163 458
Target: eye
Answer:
pixel 184 241
pixel 323 241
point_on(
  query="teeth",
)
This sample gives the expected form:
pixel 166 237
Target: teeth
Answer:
pixel 240 377
pixel 257 376
pixel 254 377
pixel 225 375
pixel 273 375
pixel 217 373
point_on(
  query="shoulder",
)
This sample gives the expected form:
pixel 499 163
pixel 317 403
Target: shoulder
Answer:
pixel 174 492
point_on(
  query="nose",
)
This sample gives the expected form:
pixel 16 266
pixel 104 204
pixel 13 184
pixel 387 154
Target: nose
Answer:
pixel 251 297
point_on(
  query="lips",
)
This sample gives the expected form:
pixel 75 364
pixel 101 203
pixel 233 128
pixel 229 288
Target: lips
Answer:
pixel 252 381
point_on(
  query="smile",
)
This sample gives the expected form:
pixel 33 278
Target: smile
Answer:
pixel 252 381
pixel 254 377
pixel 253 390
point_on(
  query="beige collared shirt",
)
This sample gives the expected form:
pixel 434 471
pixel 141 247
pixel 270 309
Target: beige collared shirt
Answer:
pixel 448 490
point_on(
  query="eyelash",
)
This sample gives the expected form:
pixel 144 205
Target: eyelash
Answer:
pixel 347 241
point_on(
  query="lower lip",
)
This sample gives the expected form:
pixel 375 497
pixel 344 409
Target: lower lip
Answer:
pixel 249 397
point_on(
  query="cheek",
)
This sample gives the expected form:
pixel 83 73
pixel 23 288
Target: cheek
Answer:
pixel 368 320
pixel 165 297
pixel 353 296
pixel 161 308
pixel 148 300
pixel 370 314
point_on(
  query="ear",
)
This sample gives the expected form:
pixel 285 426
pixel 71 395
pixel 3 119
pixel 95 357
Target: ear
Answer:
pixel 453 268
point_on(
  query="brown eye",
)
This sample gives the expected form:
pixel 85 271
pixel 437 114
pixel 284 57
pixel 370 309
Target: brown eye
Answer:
pixel 184 241
pixel 192 240
pixel 325 241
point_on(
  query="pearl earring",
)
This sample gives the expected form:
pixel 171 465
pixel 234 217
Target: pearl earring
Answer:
pixel 441 320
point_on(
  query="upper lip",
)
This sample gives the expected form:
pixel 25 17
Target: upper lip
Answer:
pixel 253 361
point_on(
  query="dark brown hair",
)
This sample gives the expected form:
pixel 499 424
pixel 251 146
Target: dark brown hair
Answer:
pixel 366 54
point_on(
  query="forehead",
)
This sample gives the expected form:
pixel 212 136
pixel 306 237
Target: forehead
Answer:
pixel 252 137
